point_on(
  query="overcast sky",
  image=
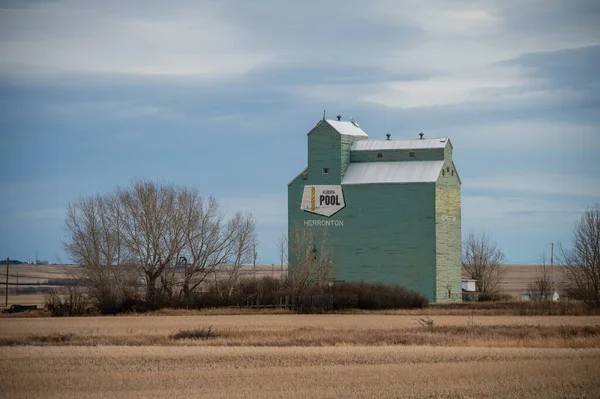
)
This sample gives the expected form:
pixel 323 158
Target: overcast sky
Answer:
pixel 220 95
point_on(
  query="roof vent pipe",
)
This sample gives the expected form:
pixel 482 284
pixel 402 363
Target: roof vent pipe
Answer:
pixel 339 117
pixel 388 136
pixel 421 135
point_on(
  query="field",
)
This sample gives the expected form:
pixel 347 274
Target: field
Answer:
pixel 297 356
pixel 473 350
pixel 23 279
pixel 26 281
pixel 515 281
pixel 298 372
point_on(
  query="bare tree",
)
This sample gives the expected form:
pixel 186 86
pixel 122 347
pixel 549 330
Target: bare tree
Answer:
pixel 152 229
pixel 311 260
pixel 302 250
pixel 542 287
pixel 282 246
pixel 95 242
pixel 208 242
pixel 147 228
pixel 482 261
pixel 322 267
pixel 581 260
pixel 240 251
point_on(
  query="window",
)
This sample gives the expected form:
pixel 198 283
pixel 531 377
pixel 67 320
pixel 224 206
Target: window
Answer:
pixel 447 168
pixel 452 172
pixel 304 176
pixel 325 171
pixel 412 154
pixel 380 155
pixel 443 172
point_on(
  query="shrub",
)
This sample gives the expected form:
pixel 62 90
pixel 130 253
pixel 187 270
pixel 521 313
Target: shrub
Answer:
pixel 68 301
pixel 371 296
pixel 272 292
pixel 198 333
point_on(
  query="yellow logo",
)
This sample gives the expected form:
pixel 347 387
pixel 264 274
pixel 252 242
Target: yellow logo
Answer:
pixel 312 198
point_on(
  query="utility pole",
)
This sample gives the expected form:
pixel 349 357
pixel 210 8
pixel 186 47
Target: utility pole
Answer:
pixel 254 262
pixel 7 263
pixel 552 268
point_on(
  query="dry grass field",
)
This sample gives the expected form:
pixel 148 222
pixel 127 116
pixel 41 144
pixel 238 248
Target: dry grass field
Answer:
pixel 298 372
pixel 515 281
pixel 32 276
pixel 518 277
pixel 37 276
pixel 286 355
pixel 470 351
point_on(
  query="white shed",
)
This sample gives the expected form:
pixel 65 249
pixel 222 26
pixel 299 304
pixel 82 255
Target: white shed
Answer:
pixel 536 296
pixel 469 285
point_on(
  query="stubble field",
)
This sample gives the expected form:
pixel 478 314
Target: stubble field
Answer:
pixel 298 356
pixel 298 372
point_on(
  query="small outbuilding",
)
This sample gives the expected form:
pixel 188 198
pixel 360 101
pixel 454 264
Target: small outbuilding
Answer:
pixel 469 290
pixel 539 296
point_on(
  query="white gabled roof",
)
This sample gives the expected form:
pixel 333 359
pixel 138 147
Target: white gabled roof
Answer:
pixel 392 172
pixel 347 128
pixel 298 175
pixel 398 144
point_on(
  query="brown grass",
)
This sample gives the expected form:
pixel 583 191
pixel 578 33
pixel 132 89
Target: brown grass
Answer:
pixel 329 372
pixel 477 336
pixel 307 330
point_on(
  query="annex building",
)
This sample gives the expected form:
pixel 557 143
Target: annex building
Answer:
pixel 391 208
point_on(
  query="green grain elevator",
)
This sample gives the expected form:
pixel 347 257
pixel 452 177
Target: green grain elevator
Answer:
pixel 390 207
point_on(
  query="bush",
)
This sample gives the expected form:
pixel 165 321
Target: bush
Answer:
pixel 272 292
pixel 199 333
pixel 371 296
pixel 68 301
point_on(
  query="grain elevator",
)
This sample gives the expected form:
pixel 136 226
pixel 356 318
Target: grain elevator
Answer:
pixel 391 208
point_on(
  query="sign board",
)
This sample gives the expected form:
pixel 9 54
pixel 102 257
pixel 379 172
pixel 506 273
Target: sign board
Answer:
pixel 323 200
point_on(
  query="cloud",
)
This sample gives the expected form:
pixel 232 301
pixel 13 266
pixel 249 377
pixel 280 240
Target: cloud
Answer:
pixel 75 38
pixel 538 183
pixel 440 91
pixel 94 93
pixel 505 214
pixel 522 135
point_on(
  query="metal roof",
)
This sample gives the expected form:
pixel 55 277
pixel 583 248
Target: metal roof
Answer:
pixel 392 172
pixel 347 128
pixel 398 144
pixel 298 175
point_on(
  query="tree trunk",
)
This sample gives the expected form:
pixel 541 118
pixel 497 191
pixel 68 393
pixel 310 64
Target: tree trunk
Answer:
pixel 151 291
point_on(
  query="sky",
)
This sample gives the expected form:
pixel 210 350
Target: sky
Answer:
pixel 219 96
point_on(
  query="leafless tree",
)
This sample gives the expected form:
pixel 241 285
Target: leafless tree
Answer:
pixel 311 261
pixel 153 229
pixel 581 260
pixel 94 228
pixel 240 251
pixel 482 261
pixel 542 287
pixel 322 267
pixel 208 240
pixel 137 235
pixel 282 246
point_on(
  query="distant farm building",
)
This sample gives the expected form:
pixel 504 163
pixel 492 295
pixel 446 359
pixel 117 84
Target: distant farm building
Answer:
pixel 391 208
pixel 469 290
pixel 539 296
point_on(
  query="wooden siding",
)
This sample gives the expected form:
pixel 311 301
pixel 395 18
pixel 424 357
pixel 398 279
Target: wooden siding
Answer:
pixel 405 234
pixel 324 151
pixel 346 144
pixel 448 235
pixel 424 154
